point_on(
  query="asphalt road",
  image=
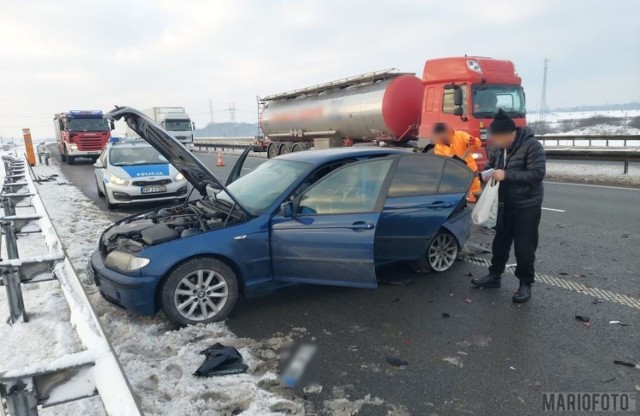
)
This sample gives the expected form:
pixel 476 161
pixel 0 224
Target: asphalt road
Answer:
pixel 468 351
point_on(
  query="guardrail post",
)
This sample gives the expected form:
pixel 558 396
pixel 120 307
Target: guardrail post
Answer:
pixel 12 281
pixel 8 207
pixel 21 401
pixel 626 166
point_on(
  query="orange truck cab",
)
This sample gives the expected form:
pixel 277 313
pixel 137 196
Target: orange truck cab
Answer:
pixel 466 92
pixel 81 133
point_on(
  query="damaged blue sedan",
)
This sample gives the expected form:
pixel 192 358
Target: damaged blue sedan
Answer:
pixel 324 217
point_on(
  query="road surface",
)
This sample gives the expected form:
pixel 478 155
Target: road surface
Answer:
pixel 468 351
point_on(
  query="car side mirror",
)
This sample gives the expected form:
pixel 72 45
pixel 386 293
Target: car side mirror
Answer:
pixel 286 209
pixel 193 125
pixel 112 125
pixel 98 165
pixel 458 111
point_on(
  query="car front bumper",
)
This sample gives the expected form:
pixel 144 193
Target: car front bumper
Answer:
pixel 136 294
pixel 129 194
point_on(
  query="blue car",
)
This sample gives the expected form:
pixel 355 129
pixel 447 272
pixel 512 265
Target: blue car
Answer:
pixel 321 217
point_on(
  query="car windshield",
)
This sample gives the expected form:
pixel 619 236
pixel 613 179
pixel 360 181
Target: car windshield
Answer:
pixel 488 98
pixel 258 189
pixel 177 125
pixel 87 124
pixel 126 156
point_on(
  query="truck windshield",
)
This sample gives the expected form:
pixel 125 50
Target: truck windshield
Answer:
pixel 488 98
pixel 258 189
pixel 87 124
pixel 177 125
pixel 127 156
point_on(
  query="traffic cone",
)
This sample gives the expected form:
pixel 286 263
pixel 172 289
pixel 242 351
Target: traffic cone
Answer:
pixel 220 162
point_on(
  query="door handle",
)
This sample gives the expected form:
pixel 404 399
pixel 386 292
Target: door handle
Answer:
pixel 362 225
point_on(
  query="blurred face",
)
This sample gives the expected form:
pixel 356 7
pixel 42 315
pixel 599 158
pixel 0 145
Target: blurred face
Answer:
pixel 442 138
pixel 503 140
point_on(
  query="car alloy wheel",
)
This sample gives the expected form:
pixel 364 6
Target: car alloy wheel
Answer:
pixel 200 295
pixel 200 290
pixel 442 252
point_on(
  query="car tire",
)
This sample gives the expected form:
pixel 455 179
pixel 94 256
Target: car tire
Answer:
pixel 63 157
pixel 109 204
pixel 187 294
pixel 100 193
pixel 272 150
pixel 441 254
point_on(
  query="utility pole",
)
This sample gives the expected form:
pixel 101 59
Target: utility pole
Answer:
pixel 543 98
pixel 211 110
pixel 232 111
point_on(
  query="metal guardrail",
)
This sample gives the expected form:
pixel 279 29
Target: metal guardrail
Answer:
pixel 589 139
pixel 97 367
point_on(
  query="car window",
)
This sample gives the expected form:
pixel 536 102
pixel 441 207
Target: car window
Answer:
pixel 352 189
pixel 417 175
pixel 456 178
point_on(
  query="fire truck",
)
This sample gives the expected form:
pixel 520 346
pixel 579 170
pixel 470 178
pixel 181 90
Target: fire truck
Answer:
pixel 81 134
pixel 394 108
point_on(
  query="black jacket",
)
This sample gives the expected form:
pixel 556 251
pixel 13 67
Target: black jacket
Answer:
pixel 524 171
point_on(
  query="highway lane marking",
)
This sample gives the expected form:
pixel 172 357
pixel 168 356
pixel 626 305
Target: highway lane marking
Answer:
pixel 553 209
pixel 593 185
pixel 569 285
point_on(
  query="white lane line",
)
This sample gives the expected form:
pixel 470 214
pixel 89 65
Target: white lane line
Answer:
pixel 570 285
pixel 553 209
pixel 624 188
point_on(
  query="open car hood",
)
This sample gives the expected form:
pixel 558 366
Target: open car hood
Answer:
pixel 175 152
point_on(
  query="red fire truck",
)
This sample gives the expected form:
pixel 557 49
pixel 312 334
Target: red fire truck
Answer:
pixel 81 134
pixel 393 107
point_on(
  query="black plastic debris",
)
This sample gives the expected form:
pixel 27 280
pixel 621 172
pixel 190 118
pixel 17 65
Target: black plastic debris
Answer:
pixel 627 364
pixel 445 315
pixel 396 361
pixel 221 360
pixel 582 318
pixel 403 282
pixel 468 274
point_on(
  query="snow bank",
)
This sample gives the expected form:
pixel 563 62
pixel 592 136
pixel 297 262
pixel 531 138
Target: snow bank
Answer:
pixel 601 129
pixel 158 359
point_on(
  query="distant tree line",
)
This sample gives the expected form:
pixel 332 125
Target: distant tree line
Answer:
pixel 569 124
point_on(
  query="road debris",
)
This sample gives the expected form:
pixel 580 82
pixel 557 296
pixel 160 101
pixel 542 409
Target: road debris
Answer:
pixel 313 388
pixel 468 300
pixel 453 361
pixel 396 361
pixel 445 315
pixel 618 323
pixel 221 360
pixel 513 368
pixel 582 318
pixel 627 364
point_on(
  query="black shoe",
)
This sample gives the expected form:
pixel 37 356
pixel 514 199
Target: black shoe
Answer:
pixel 490 280
pixel 523 294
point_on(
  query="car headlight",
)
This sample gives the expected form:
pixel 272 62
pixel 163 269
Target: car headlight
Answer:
pixel 125 262
pixel 476 156
pixel 117 179
pixel 73 146
pixel 179 177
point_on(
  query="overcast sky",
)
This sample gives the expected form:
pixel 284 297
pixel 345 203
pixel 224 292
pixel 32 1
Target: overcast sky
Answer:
pixel 58 55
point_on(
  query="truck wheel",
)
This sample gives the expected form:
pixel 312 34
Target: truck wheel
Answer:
pixel 200 290
pixel 63 156
pixel 284 148
pixel 297 147
pixel 71 160
pixel 272 150
pixel 440 256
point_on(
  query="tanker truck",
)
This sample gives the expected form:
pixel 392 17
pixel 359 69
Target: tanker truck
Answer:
pixel 394 108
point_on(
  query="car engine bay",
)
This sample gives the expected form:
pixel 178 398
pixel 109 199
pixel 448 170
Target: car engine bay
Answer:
pixel 134 233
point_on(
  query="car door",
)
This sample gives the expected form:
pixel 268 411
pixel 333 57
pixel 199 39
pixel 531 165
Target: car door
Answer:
pixel 328 238
pixel 424 192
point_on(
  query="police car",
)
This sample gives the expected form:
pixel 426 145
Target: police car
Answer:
pixel 131 171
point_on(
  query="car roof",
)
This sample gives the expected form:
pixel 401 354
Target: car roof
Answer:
pixel 129 144
pixel 318 157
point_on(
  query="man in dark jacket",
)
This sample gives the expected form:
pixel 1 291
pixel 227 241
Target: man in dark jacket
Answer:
pixel 519 162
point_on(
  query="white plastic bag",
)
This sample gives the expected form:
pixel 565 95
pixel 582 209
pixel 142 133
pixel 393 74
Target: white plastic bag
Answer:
pixel 485 213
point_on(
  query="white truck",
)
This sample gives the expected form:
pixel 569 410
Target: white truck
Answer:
pixel 174 120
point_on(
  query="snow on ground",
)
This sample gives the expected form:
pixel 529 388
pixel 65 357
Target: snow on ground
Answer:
pixel 605 173
pixel 602 129
pixel 555 116
pixel 158 359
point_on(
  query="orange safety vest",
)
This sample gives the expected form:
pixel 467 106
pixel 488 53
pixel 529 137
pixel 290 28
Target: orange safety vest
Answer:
pixel 462 146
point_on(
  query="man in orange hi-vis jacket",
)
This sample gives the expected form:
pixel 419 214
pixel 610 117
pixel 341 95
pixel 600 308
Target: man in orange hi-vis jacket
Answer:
pixel 449 142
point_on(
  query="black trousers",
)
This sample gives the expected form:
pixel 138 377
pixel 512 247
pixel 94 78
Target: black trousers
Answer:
pixel 520 227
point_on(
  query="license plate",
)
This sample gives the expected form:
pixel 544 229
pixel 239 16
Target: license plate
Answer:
pixel 153 189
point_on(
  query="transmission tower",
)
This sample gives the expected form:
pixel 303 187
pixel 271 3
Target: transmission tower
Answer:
pixel 232 112
pixel 211 110
pixel 543 98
